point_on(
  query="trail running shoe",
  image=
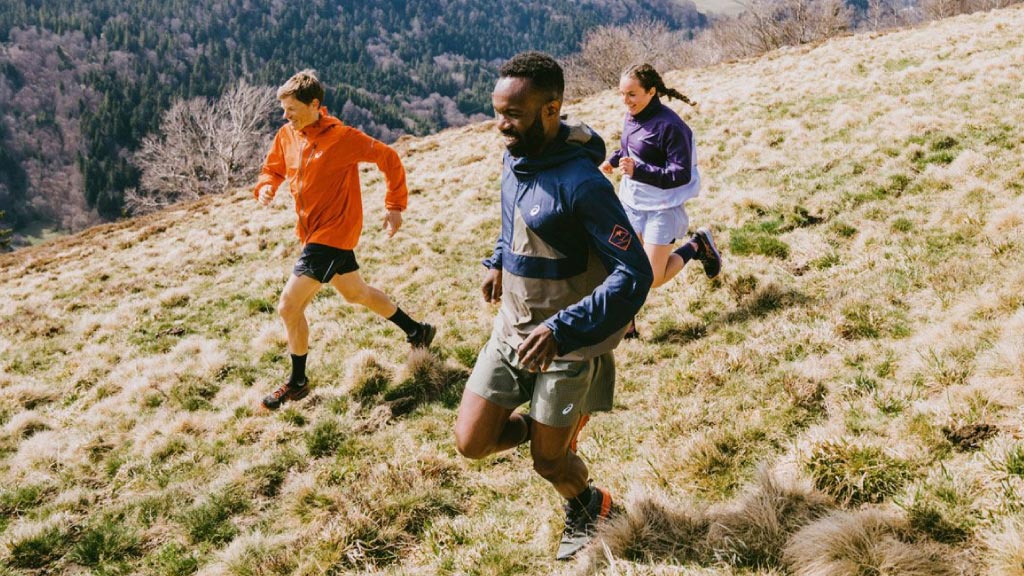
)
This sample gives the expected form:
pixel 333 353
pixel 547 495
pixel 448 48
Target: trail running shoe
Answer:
pixel 423 336
pixel 286 393
pixel 707 252
pixel 581 524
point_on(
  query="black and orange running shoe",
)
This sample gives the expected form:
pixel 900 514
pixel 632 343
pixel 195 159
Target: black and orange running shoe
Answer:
pixel 287 393
pixel 581 523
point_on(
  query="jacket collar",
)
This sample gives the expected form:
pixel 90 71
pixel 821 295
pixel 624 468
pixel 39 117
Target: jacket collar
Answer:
pixel 573 141
pixel 652 108
pixel 322 124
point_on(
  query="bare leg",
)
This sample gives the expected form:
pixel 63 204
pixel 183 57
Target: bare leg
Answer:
pixel 483 428
pixel 665 263
pixel 553 460
pixel 355 291
pixel 295 297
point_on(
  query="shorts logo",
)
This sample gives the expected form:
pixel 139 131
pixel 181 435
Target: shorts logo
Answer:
pixel 620 237
pixel 535 210
pixel 567 409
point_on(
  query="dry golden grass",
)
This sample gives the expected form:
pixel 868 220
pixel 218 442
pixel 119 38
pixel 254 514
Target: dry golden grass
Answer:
pixel 864 542
pixel 866 338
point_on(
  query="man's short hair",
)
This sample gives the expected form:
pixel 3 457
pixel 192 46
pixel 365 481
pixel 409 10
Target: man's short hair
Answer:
pixel 304 86
pixel 540 68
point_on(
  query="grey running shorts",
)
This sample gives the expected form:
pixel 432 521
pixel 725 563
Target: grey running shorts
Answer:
pixel 557 397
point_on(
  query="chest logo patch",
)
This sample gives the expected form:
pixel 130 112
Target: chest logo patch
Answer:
pixel 620 238
pixel 535 210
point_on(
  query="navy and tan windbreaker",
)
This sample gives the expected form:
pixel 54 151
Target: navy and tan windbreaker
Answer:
pixel 568 255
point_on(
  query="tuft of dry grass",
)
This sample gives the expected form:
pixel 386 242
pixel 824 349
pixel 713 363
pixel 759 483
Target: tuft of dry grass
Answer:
pixel 1005 542
pixel 367 375
pixel 753 531
pixel 651 530
pixel 427 379
pixel 869 541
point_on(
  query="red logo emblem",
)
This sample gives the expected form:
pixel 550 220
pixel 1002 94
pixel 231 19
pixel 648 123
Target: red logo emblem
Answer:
pixel 620 237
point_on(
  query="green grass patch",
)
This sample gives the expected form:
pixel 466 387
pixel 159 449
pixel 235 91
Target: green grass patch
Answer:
pixel 842 229
pixel 18 500
pixel 210 521
pixel 897 64
pixel 294 416
pixel 267 479
pixel 948 368
pixel 667 331
pixel 325 437
pixel 827 261
pixel 940 149
pixel 719 464
pixel 173 559
pixel 751 240
pixel 107 543
pixel 1014 464
pixel 261 305
pixel 902 225
pixel 194 394
pixel 465 354
pixel 38 550
pixel 854 474
pixel 889 404
pixel 944 510
pixel 871 320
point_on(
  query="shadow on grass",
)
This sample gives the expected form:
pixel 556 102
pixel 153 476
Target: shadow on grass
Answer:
pixel 764 301
pixel 666 333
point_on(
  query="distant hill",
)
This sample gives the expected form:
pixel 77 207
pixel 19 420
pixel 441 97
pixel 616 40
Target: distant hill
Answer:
pixel 845 399
pixel 82 81
pixel 712 7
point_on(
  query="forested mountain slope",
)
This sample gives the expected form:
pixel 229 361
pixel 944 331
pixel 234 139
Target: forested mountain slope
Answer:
pixel 82 81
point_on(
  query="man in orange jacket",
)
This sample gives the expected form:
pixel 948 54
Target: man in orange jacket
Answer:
pixel 320 156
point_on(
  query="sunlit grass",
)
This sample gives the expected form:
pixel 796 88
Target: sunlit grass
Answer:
pixel 847 391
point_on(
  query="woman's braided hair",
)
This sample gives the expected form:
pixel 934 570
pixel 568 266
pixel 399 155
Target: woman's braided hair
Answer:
pixel 649 78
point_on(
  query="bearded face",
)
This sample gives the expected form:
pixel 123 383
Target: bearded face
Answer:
pixel 520 113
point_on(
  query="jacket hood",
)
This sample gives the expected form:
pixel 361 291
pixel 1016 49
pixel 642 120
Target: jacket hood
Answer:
pixel 573 141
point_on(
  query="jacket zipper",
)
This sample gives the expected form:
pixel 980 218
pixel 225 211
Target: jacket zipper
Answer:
pixel 298 193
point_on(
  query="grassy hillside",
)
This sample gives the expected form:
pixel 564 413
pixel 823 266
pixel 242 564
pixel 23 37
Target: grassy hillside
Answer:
pixel 846 399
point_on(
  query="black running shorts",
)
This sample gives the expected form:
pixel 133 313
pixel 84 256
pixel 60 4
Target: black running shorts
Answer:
pixel 321 262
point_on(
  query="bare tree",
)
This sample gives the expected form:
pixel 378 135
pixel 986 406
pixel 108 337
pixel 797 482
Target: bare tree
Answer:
pixel 936 9
pixel 203 147
pixel 766 25
pixel 607 50
pixel 880 14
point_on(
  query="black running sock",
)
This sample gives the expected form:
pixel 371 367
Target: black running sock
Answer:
pixel 298 369
pixel 582 500
pixel 402 320
pixel 687 251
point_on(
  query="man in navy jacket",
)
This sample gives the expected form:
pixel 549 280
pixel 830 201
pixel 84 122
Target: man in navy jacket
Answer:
pixel 570 274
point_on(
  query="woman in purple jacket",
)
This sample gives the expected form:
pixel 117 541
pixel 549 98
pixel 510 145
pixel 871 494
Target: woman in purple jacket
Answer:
pixel 658 163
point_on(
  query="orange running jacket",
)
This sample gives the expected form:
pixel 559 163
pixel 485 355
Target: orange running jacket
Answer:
pixel 321 163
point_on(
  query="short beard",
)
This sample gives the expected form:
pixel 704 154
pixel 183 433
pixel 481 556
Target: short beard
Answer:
pixel 530 142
